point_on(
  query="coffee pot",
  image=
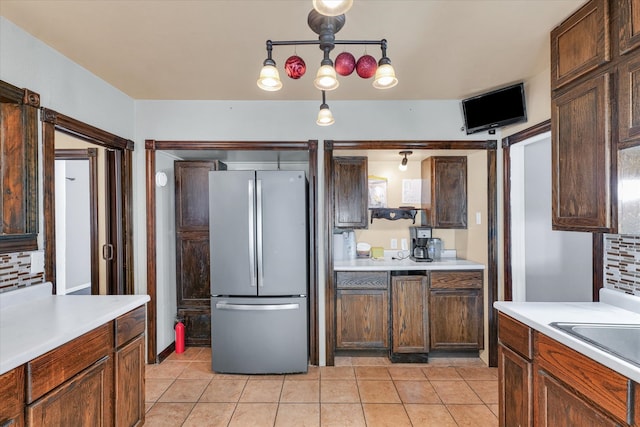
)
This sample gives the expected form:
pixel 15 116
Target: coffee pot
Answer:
pixel 419 243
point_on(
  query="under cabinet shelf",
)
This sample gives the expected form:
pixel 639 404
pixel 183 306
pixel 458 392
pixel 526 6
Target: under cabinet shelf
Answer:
pixel 393 214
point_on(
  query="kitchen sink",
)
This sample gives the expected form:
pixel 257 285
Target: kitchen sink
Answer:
pixel 621 340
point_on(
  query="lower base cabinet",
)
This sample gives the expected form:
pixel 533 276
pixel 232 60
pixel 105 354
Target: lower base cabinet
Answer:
pixel 129 389
pixel 410 318
pixel 12 397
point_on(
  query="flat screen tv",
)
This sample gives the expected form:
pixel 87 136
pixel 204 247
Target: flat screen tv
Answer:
pixel 494 109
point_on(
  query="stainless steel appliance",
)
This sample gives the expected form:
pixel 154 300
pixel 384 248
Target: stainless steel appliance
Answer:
pixel 259 271
pixel 419 243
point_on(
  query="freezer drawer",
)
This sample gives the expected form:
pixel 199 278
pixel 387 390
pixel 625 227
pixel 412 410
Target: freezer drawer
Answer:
pixel 259 335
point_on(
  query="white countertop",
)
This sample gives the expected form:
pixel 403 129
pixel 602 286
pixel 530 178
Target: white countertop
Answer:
pixel 538 315
pixel 33 322
pixel 388 263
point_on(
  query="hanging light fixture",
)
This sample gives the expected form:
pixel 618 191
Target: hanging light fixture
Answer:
pixel 403 164
pixel 325 117
pixel 326 19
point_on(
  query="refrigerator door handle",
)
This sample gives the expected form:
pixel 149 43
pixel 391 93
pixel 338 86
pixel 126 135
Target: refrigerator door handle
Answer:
pixel 252 243
pixel 259 233
pixel 257 307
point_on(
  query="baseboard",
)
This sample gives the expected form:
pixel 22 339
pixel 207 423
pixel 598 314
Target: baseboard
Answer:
pixel 166 352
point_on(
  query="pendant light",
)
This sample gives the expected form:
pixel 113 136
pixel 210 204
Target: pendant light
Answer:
pixel 325 117
pixel 403 164
pixel 332 7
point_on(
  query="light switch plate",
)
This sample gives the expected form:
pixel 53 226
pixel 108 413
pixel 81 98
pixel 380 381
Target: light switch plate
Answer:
pixel 394 243
pixel 37 262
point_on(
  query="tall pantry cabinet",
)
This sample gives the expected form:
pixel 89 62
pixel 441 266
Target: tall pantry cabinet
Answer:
pixel 595 79
pixel 192 248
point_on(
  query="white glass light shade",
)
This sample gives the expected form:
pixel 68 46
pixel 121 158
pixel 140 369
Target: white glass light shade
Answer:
pixel 385 77
pixel 332 7
pixel 269 79
pixel 326 78
pixel 325 118
pixel 402 168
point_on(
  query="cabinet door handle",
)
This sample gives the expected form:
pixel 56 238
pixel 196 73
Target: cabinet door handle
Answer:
pixel 107 254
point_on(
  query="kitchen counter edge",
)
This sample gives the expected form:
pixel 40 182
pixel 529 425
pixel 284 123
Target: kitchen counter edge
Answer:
pixel 388 264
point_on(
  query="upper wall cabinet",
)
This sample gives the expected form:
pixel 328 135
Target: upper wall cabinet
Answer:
pixel 629 31
pixel 444 191
pixel 580 44
pixel 350 192
pixel 18 168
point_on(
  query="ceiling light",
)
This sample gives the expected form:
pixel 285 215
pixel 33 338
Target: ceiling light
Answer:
pixel 332 7
pixel 326 19
pixel 325 117
pixel 403 164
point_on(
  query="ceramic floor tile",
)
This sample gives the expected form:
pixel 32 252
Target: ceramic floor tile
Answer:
pixel 190 353
pixel 385 415
pixel 298 415
pixel 457 361
pixel 167 414
pixel 184 391
pixel 406 373
pixel 147 406
pixel 339 391
pixel 341 415
pixel 451 392
pixel 416 392
pixel 495 409
pixel 205 354
pixel 261 377
pixel 473 415
pixel 155 387
pixel 313 373
pixel 300 391
pixel 254 415
pixel 169 369
pixel 441 373
pixel 342 361
pixel 337 373
pixel 370 361
pixel 221 376
pixel 223 391
pixel 487 390
pixel 262 391
pixel 430 415
pixel 377 391
pixel 473 373
pixel 197 370
pixel 210 415
pixel 372 373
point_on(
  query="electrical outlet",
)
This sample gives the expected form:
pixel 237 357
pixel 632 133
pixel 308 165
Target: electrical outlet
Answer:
pixel 478 218
pixel 394 243
pixel 404 244
pixel 37 262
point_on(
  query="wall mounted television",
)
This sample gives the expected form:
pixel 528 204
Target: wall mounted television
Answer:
pixel 500 107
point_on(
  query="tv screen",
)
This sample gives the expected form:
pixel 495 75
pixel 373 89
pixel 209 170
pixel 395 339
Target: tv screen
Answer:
pixel 494 109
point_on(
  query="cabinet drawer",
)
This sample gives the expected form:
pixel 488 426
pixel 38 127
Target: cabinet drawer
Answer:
pixel 456 279
pixel 362 280
pixel 12 392
pixel 57 366
pixel 130 325
pixel 601 385
pixel 515 335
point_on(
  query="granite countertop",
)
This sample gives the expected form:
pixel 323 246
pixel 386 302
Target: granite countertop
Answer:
pixel 388 263
pixel 33 322
pixel 614 307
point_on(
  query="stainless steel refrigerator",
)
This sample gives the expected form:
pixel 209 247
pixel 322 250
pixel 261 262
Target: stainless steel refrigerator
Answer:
pixel 259 271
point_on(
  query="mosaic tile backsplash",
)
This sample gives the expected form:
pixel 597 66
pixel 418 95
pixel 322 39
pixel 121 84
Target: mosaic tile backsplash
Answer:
pixel 15 271
pixel 622 263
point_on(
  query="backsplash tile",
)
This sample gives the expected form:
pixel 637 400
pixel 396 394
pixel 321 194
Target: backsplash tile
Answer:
pixel 622 263
pixel 15 271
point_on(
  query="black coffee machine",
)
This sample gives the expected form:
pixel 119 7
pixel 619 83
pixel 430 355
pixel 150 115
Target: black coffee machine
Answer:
pixel 419 239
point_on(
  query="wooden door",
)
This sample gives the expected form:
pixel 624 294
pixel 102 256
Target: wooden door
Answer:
pixel 628 101
pixel 350 192
pixel 409 314
pixel 444 193
pixel 362 319
pixel 629 17
pixel 130 387
pixel 515 389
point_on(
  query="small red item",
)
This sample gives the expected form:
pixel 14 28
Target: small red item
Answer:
pixel 366 66
pixel 295 67
pixel 179 337
pixel 345 63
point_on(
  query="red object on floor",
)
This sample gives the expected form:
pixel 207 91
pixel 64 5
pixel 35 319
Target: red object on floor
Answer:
pixel 179 337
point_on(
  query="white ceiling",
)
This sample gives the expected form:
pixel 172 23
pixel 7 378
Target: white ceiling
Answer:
pixel 213 49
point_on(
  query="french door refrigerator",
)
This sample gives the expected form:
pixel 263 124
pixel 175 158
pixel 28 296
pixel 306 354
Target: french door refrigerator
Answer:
pixel 259 264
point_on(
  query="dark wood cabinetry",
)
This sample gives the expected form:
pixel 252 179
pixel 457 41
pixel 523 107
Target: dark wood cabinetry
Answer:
pixel 595 80
pixel 12 402
pixel 192 248
pixel 350 192
pixel 444 191
pixel 456 311
pixel 409 318
pixel 362 311
pixel 19 171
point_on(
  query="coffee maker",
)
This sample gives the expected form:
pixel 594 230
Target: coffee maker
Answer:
pixel 420 237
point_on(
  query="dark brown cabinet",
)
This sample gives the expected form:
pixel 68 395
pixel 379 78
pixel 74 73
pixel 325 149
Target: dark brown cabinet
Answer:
pixel 192 248
pixel 515 373
pixel 362 310
pixel 409 317
pixel 19 172
pixel 444 191
pixel 456 311
pixel 628 103
pixel 629 15
pixel 12 402
pixel 350 192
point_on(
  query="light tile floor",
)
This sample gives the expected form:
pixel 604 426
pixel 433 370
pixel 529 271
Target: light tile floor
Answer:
pixel 358 391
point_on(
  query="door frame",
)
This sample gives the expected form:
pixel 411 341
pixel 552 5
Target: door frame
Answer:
pixel 151 146
pixel 492 222
pixel 91 155
pixel 53 122
pixel 598 245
